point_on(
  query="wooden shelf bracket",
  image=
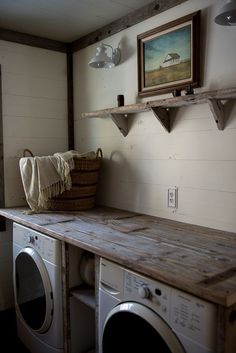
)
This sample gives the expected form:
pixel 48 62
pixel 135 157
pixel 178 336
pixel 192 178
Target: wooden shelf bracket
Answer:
pixel 217 109
pixel 121 122
pixel 163 116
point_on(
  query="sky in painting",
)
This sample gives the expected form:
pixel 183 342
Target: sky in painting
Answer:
pixel 177 41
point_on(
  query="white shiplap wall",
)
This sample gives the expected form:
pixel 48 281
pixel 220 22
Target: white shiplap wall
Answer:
pixel 195 156
pixel 34 108
pixel 34 117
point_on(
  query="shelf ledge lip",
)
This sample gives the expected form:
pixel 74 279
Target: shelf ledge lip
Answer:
pixel 196 98
pixel 210 97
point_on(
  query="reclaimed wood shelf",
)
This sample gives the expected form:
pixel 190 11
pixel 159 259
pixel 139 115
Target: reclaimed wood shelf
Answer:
pixel 164 108
pixel 85 295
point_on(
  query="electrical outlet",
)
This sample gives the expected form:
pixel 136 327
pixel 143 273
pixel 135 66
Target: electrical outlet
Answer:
pixel 173 197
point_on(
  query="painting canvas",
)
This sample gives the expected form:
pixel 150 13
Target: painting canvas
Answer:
pixel 167 57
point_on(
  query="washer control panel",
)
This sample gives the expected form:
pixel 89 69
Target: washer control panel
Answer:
pixel 151 293
pixel 187 315
pixel 49 248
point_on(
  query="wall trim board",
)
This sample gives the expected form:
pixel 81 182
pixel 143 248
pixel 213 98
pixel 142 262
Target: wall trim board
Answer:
pixel 33 41
pixel 70 101
pixel 130 20
pixel 2 192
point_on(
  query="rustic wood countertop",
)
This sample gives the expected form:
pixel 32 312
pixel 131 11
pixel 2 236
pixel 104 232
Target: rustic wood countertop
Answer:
pixel 198 260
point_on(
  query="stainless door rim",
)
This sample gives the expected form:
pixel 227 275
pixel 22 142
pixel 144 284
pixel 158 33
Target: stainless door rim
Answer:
pixel 153 319
pixel 46 284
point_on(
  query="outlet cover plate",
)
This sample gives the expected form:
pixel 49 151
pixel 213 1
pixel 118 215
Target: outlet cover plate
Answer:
pixel 172 197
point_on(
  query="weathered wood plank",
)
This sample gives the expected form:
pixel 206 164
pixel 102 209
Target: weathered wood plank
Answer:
pixel 70 101
pixel 196 259
pixel 36 220
pixel 147 11
pixel 33 41
pixel 126 109
pixel 159 107
pixel 198 98
pixel 2 191
pixel 65 297
pixel 226 338
pixel 158 260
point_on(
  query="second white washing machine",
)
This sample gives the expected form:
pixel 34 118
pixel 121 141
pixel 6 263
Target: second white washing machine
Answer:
pixel 138 314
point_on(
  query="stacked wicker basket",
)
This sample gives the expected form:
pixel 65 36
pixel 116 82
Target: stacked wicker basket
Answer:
pixel 84 178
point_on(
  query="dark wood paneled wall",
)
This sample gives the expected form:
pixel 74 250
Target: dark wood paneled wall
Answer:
pixel 2 193
pixel 33 41
pixel 70 100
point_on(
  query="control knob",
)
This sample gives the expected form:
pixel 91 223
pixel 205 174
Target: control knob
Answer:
pixel 30 239
pixel 144 291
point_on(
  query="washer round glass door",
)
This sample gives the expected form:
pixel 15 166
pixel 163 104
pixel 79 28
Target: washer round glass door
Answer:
pixel 33 293
pixel 133 328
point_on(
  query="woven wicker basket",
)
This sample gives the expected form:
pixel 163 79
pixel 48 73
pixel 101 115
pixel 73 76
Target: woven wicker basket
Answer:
pixel 84 179
pixel 71 205
pixel 83 164
pixel 78 192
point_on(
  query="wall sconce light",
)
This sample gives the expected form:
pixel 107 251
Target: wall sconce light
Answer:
pixel 102 60
pixel 227 15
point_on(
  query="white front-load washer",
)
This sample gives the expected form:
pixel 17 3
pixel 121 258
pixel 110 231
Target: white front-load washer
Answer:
pixel 138 314
pixel 38 290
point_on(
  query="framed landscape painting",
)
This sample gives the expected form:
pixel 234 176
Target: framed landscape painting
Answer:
pixel 168 56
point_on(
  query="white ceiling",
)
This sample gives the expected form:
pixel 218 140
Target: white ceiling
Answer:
pixel 63 20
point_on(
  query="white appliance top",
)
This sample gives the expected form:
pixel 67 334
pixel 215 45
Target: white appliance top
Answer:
pixel 48 248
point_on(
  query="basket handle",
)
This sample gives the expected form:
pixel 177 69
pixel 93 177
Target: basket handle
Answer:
pixel 99 153
pixel 27 150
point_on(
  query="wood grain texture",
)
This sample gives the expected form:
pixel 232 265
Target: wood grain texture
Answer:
pixel 226 338
pixel 33 41
pixel 181 101
pixel 147 11
pixel 1 148
pixel 65 298
pixel 70 101
pixel 196 259
pixel 158 107
pixel 2 191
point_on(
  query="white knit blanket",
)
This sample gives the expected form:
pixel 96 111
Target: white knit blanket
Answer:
pixel 48 176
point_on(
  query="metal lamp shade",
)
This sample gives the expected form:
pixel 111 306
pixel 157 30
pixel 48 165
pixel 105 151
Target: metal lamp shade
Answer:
pixel 227 15
pixel 101 59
